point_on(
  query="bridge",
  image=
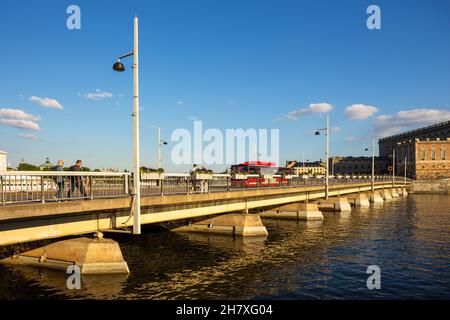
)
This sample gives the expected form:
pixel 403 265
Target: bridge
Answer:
pixel 32 209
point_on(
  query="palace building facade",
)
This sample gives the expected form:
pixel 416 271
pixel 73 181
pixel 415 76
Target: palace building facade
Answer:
pixel 424 151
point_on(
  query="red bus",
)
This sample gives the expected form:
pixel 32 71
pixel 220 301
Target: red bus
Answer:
pixel 256 173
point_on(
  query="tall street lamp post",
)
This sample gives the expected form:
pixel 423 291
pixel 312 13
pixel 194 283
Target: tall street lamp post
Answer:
pixel 373 162
pixel 405 173
pixel 118 66
pixel 327 154
pixel 160 143
pixel 393 167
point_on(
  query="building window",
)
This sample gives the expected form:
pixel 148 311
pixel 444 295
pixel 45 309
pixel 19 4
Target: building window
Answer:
pixel 433 154
pixel 443 154
pixel 422 154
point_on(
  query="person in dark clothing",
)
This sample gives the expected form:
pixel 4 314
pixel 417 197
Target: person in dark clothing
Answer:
pixel 76 182
pixel 59 180
pixel 193 177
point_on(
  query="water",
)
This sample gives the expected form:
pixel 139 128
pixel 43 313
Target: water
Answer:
pixel 407 238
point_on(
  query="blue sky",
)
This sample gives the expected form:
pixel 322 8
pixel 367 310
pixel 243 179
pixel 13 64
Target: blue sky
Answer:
pixel 232 64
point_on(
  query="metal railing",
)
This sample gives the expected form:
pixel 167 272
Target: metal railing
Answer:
pixel 53 186
pixel 45 186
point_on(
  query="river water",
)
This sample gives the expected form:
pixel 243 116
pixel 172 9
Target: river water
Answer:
pixel 408 238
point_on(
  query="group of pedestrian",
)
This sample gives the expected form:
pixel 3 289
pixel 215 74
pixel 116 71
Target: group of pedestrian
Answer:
pixel 76 182
pixel 201 184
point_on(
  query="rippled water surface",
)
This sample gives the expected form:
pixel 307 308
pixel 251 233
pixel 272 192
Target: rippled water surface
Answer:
pixel 409 239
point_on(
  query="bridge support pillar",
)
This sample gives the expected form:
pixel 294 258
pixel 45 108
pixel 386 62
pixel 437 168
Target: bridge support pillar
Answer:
pixel 359 200
pixel 239 224
pixel 334 204
pixel 92 256
pixel 375 197
pixel 386 195
pixel 394 193
pixel 295 211
pixel 404 192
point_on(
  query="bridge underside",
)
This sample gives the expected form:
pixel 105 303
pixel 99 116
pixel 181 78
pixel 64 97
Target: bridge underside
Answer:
pixel 39 221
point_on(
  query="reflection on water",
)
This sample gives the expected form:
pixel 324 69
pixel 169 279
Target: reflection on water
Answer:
pixel 408 239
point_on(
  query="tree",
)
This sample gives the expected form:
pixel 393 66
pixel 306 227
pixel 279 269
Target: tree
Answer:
pixel 27 167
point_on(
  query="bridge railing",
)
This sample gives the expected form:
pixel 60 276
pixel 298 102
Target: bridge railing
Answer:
pixel 172 184
pixel 44 186
pixel 48 186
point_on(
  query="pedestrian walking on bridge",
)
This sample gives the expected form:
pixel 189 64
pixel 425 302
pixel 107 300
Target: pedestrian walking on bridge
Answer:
pixel 76 182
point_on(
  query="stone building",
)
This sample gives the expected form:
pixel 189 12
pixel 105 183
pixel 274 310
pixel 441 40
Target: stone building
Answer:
pixel 313 167
pixel 3 160
pixel 425 159
pixel 47 165
pixel 359 165
pixel 426 151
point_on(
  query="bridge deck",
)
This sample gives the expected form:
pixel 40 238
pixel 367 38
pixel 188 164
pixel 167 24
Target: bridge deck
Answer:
pixel 37 221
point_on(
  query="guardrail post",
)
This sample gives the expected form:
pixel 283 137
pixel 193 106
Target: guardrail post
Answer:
pixel 126 189
pixel 228 184
pixel 3 191
pixel 42 189
pixel 187 185
pixel 90 187
pixel 161 181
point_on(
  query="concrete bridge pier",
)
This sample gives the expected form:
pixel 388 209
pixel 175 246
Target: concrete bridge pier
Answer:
pixel 359 200
pixel 92 256
pixel 394 193
pixel 295 211
pixel 386 195
pixel 404 192
pixel 238 224
pixel 376 197
pixel 334 204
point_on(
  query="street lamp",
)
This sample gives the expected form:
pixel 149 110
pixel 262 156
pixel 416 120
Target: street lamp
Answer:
pixel 373 162
pixel 160 143
pixel 118 66
pixel 327 154
pixel 405 172
pixel 393 168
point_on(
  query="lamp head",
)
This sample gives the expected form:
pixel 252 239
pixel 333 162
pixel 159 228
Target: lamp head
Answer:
pixel 317 133
pixel 118 66
pixel 165 143
pixel 366 149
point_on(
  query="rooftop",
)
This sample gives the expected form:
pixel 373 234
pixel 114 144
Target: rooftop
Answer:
pixel 406 133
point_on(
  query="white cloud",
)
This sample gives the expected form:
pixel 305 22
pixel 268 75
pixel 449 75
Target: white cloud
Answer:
pixel 46 102
pixel 22 124
pixel 97 95
pixel 404 120
pixel 336 129
pixel 351 139
pixel 16 114
pixel 19 119
pixel 180 103
pixel 311 109
pixel 360 111
pixel 28 136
